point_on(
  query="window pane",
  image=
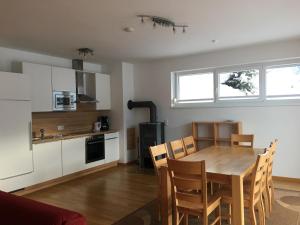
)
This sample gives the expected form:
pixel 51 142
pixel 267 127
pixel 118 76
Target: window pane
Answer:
pixel 196 86
pixel 283 81
pixel 244 83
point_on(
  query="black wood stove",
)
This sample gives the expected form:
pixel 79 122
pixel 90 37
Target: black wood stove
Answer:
pixel 150 133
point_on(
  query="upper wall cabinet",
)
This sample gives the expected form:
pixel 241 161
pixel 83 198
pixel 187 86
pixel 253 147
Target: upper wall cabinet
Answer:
pixel 63 79
pixel 103 91
pixel 41 87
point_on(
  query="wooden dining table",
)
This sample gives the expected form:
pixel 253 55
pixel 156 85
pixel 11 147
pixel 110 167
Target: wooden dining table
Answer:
pixel 225 165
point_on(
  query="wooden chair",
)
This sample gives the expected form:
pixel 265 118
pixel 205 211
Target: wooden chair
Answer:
pixel 188 181
pixel 253 193
pixel 270 185
pixel 264 182
pixel 189 145
pixel 159 154
pixel 242 140
pixel 178 149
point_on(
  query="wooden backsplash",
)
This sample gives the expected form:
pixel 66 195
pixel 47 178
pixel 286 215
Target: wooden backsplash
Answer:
pixel 73 122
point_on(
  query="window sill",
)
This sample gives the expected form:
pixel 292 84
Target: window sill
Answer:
pixel 238 103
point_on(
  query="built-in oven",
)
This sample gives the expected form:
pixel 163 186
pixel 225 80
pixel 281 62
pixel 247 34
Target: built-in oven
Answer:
pixel 94 148
pixel 64 101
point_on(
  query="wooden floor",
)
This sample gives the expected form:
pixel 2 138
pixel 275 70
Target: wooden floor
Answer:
pixel 104 197
pixel 107 196
pixel 285 185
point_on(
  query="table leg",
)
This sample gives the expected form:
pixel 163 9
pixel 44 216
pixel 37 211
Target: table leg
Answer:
pixel 166 198
pixel 238 200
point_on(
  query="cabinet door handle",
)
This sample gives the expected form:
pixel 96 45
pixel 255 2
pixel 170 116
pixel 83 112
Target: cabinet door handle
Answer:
pixel 30 135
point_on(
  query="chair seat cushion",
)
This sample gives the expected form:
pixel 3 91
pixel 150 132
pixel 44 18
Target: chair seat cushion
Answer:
pixel 15 210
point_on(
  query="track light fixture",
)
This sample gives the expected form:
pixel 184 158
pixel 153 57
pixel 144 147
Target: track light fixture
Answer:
pixel 163 22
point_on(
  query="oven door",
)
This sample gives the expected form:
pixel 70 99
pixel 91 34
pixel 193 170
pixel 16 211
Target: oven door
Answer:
pixel 94 149
pixel 64 101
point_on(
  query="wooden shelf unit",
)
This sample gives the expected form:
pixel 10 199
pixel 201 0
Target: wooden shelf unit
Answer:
pixel 209 133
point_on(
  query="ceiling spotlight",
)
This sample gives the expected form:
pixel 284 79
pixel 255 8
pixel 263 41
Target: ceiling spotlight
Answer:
pixel 128 29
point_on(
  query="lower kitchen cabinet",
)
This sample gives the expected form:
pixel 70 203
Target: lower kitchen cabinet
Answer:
pixel 111 147
pixel 73 155
pixel 47 161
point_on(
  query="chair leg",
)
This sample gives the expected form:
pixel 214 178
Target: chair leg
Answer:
pixel 205 219
pixel 252 216
pixel 219 215
pixel 186 219
pixel 264 213
pixel 211 188
pixel 230 214
pixel 261 214
pixel 272 191
pixel 270 197
pixel 266 203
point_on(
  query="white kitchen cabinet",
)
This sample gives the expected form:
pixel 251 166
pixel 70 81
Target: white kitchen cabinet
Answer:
pixel 41 86
pixel 73 155
pixel 103 91
pixel 47 161
pixel 112 147
pixel 15 126
pixel 63 79
pixel 14 86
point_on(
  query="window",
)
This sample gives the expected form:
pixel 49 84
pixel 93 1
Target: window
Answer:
pixel 283 82
pixel 248 85
pixel 241 84
pixel 195 87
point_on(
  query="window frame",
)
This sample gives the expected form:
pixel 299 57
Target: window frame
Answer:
pixel 280 97
pixel 255 98
pixel 177 75
pixel 261 100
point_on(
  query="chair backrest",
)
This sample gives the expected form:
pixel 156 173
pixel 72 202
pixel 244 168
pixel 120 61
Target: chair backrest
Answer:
pixel 273 148
pixel 159 154
pixel 189 184
pixel 265 169
pixel 259 176
pixel 177 148
pixel 242 140
pixel 189 145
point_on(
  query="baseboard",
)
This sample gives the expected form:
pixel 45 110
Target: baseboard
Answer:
pixel 128 163
pixel 66 178
pixel 286 179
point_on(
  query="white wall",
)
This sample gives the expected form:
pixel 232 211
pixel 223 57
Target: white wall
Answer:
pixel 122 83
pixel 128 115
pixel 8 58
pixel 152 82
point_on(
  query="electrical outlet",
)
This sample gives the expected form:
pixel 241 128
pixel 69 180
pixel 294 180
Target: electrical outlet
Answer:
pixel 60 127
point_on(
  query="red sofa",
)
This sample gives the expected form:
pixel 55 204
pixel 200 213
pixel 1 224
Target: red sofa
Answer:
pixel 15 210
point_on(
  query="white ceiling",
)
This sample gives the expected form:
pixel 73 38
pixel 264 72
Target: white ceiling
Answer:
pixel 59 27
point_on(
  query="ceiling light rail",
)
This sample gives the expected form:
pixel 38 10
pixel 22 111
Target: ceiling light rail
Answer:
pixel 163 22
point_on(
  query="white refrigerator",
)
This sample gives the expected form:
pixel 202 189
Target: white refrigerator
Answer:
pixel 16 156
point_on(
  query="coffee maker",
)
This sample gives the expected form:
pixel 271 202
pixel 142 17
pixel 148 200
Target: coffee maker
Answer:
pixel 104 122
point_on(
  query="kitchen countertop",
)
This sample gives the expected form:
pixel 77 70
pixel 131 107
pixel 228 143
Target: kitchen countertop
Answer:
pixel 69 136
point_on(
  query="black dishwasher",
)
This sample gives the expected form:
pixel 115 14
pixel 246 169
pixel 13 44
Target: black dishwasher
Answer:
pixel 94 148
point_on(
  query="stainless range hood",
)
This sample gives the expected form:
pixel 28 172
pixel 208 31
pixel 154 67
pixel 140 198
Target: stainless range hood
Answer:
pixel 85 83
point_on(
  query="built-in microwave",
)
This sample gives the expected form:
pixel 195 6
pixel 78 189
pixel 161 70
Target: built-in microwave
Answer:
pixel 64 101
